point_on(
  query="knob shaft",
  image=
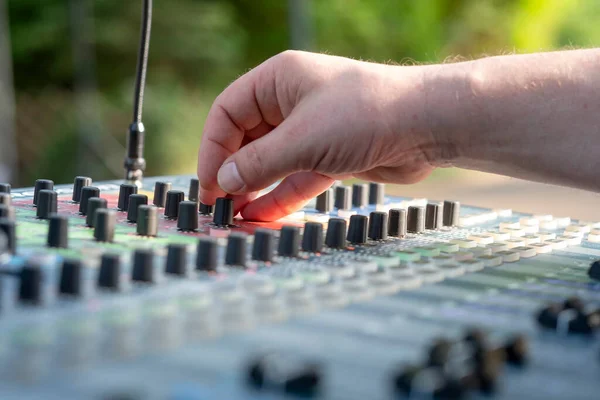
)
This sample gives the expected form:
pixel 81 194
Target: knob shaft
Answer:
pixel 360 195
pixel 160 193
pixel 194 189
pixel 46 205
pixel 109 276
pixel 264 245
pixel 235 253
pixel 312 239
pixel 378 225
pixel 143 266
pixel 325 201
pixel 104 225
pixel 4 188
pixel 126 190
pixel 87 192
pixel 135 201
pixel 58 231
pixel 5 199
pixel 7 212
pixel 343 198
pixel 357 231
pixel 94 204
pixel 30 285
pixel 174 197
pixel 223 215
pixel 188 216
pixel 176 259
pixel 432 212
pixel 41 184
pixel 206 256
pixel 80 183
pixel 7 226
pixel 289 241
pixel 147 221
pixel 376 193
pixel 71 277
pixel 451 213
pixel 205 209
pixel 397 222
pixel 335 237
pixel 415 219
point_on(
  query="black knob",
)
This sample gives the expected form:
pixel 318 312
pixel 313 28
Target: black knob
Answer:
pixel 235 253
pixel 7 226
pixel 104 225
pixel 135 201
pixel 87 192
pixel 194 189
pixel 223 215
pixel 432 212
pixel 206 256
pixel 451 213
pixel 46 203
pixel 289 241
pixel 378 225
pixel 357 231
pixel 126 190
pixel 397 222
pixel 30 285
pixel 94 204
pixel 41 184
pixel 160 193
pixel 343 198
pixel 176 259
pixel 188 216
pixel 71 277
pixel 415 219
pixel 80 183
pixel 205 209
pixel 312 239
pixel 174 197
pixel 5 199
pixel 335 237
pixel 109 276
pixel 325 201
pixel 7 212
pixel 376 193
pixel 264 245
pixel 594 270
pixel 4 188
pixel 360 195
pixel 147 221
pixel 58 231
pixel 143 266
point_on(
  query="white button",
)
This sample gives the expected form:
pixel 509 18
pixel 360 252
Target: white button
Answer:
pixel 594 236
pixel 592 225
pixel 514 232
pixel 498 246
pixel 571 240
pixel 525 252
pixel 573 233
pixel 491 261
pixel 407 279
pixel 528 221
pixel 500 236
pixel 549 225
pixel 543 217
pixel 464 243
pixel 482 238
pixel 451 270
pixel 509 256
pixel 462 255
pixel 530 239
pixel 547 236
pixel 542 248
pixel 510 225
pixel 467 221
pixel 364 266
pixel 481 251
pixel 258 284
pixel 531 229
pixel 578 228
pixel 557 244
pixel 472 265
pixel 503 212
pixel 563 221
pixel 430 274
pixel 515 243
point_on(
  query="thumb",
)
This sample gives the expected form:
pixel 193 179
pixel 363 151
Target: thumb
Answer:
pixel 264 161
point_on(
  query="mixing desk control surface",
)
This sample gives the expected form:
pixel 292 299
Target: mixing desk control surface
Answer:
pixel 114 291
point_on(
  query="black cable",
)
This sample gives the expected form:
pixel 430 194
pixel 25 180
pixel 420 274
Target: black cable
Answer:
pixel 134 161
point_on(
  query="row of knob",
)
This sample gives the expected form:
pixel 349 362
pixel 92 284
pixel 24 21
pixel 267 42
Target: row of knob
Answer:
pixel 345 197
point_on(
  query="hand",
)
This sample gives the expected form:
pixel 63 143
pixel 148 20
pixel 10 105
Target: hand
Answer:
pixel 310 119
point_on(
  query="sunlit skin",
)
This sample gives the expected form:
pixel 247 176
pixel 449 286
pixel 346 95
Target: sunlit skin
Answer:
pixel 308 119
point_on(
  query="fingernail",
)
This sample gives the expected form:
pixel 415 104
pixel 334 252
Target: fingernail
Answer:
pixel 229 178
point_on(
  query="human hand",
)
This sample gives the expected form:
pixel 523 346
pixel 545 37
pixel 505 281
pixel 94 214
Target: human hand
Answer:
pixel 310 119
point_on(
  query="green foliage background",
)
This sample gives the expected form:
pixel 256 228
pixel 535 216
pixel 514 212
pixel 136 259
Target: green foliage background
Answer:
pixel 199 46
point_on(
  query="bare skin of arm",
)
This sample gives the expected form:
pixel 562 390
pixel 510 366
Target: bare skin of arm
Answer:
pixel 310 119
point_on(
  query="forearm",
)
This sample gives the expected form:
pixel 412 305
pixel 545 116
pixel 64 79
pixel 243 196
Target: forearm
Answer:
pixel 530 116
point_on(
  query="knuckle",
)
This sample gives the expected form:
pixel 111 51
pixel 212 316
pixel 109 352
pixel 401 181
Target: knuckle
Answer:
pixel 289 57
pixel 254 163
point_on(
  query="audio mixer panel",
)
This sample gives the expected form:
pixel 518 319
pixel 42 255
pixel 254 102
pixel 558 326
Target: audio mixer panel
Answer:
pixel 110 290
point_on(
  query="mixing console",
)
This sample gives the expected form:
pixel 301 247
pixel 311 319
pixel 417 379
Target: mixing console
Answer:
pixel 114 291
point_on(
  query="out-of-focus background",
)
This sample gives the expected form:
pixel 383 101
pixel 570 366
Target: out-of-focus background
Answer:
pixel 67 73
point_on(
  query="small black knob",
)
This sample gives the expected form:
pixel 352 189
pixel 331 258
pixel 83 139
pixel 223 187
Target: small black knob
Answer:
pixel 94 204
pixel 135 201
pixel 176 259
pixel 335 237
pixel 235 253
pixel 415 219
pixel 397 222
pixel 188 216
pixel 264 245
pixel 41 184
pixel 325 201
pixel 194 189
pixel 312 239
pixel 432 212
pixel 205 209
pixel 46 203
pixel 7 212
pixel 594 270
pixel 126 190
pixel 4 188
pixel 80 183
pixel 174 197
pixel 71 277
pixel 357 231
pixel 378 225
pixel 30 285
pixel 160 193
pixel 143 266
pixel 343 198
pixel 376 193
pixel 58 231
pixel 289 241
pixel 223 215
pixel 360 195
pixel 109 276
pixel 451 213
pixel 7 226
pixel 104 225
pixel 147 221
pixel 206 256
pixel 87 192
pixel 5 199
